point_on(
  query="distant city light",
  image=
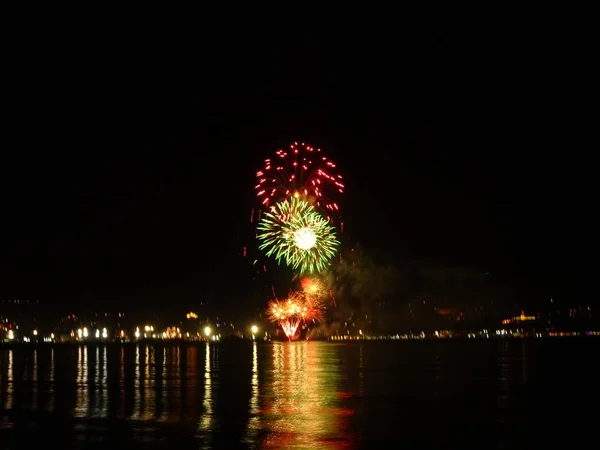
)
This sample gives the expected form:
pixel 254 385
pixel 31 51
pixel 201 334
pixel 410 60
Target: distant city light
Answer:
pixel 521 318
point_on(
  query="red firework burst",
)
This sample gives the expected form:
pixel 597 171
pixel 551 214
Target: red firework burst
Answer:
pixel 301 171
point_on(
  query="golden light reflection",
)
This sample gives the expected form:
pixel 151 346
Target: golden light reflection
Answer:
pixel 137 385
pixel 191 382
pixel 10 388
pixel 302 406
pixel 162 400
pixel 52 397
pixel 82 402
pixel 148 394
pixel 253 426
pixel 100 395
pixel 173 386
pixel 34 380
pixel 121 407
pixel 206 419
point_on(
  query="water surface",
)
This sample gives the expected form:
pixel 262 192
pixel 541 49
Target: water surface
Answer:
pixel 305 395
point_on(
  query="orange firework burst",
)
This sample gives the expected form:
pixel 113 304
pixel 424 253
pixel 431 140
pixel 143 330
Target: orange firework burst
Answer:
pixel 300 171
pixel 312 287
pixel 291 312
pixel 316 293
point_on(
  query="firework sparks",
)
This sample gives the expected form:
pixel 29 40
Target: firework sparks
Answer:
pixel 291 312
pixel 298 188
pixel 289 327
pixel 302 172
pixel 296 234
pixel 313 287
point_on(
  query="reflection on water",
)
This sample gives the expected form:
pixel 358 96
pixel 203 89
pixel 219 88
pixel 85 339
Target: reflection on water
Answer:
pixel 253 427
pixel 51 390
pixel 82 403
pixel 100 393
pixel 190 380
pixel 148 393
pixel 174 391
pixel 120 403
pixel 34 380
pixel 162 401
pixel 313 395
pixel 9 390
pixel 205 423
pixel 304 409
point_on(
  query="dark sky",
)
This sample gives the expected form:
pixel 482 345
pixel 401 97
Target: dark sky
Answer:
pixel 130 140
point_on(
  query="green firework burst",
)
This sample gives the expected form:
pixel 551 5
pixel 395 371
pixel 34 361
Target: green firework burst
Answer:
pixel 294 233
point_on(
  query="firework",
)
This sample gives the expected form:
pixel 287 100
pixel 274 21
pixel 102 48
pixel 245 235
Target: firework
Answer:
pixel 302 172
pixel 289 327
pixel 293 232
pixel 293 311
pixel 313 287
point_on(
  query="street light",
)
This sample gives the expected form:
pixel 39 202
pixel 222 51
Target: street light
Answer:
pixel 207 331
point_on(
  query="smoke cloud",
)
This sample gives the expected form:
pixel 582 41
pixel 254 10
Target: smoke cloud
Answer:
pixel 409 295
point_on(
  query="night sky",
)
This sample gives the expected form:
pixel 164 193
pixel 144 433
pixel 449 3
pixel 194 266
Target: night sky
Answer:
pixel 130 141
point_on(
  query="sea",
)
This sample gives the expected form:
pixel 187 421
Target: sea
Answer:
pixel 484 394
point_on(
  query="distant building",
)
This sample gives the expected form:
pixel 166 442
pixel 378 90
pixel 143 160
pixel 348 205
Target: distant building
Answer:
pixel 519 319
pixel 22 314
